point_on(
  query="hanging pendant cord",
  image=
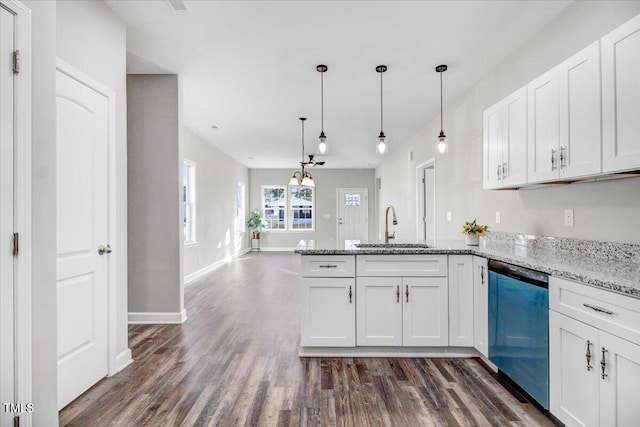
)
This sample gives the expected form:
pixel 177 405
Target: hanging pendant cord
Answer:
pixel 381 103
pixel 441 102
pixel 322 101
pixel 302 154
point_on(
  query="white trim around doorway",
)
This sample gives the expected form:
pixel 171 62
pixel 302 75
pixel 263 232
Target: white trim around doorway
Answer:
pixel 420 197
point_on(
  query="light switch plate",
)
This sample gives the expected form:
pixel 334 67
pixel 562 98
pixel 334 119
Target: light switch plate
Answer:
pixel 448 216
pixel 326 216
pixel 568 217
pixel 497 217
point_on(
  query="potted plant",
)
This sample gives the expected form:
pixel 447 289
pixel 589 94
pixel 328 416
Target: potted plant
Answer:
pixel 257 223
pixel 473 231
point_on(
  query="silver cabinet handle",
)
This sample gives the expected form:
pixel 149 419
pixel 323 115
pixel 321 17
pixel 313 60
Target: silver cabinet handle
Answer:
pixel 598 309
pixel 553 159
pixel 498 173
pixel 482 274
pixel 588 356
pixel 398 293
pixel 504 171
pixel 328 266
pixel 563 157
pixel 350 295
pixel 603 363
pixel 407 293
pixel 104 249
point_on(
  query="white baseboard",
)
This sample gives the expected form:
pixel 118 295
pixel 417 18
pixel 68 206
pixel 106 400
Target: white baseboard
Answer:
pixel 400 352
pixel 189 278
pixel 277 249
pixel 244 251
pixel 122 361
pixel 157 318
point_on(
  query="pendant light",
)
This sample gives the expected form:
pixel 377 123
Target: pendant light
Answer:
pixel 381 148
pixel 442 138
pixel 301 177
pixel 322 139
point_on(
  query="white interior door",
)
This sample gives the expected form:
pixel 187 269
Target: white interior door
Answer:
pixel 82 227
pixel 353 212
pixel 7 336
pixel 429 209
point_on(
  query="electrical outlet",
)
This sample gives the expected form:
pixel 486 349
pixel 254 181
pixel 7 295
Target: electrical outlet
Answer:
pixel 497 217
pixel 448 216
pixel 568 217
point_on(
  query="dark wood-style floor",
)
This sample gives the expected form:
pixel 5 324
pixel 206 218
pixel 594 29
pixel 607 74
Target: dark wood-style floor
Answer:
pixel 235 362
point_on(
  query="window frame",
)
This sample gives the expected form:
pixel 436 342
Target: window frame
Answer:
pixel 286 207
pixel 241 206
pixel 190 187
pixel 291 210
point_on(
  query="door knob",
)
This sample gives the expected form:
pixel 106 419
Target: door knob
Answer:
pixel 104 249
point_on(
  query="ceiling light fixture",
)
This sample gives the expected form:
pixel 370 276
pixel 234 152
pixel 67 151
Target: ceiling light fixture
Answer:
pixel 322 139
pixel 381 148
pixel 301 177
pixel 442 138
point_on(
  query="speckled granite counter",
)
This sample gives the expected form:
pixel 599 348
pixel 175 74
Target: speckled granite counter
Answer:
pixel 611 266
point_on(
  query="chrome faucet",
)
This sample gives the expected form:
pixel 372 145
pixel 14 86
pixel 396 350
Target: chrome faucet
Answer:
pixel 388 236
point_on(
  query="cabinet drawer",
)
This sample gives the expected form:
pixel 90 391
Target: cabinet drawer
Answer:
pixel 328 266
pixel 401 265
pixel 614 313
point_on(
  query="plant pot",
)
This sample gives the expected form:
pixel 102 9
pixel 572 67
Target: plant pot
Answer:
pixel 472 240
pixel 255 235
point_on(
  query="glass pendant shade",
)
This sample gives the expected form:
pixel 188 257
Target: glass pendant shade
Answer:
pixel 322 144
pixel 294 180
pixel 308 181
pixel 381 148
pixel 442 143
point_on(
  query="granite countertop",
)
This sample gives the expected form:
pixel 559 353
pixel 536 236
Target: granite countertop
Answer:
pixel 589 267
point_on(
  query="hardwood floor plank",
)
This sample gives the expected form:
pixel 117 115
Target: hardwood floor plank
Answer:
pixel 235 362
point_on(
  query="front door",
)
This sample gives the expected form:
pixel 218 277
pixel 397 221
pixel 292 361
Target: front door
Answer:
pixel 82 227
pixel 353 209
pixel 7 384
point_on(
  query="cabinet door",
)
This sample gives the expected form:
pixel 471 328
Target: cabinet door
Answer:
pixel 543 128
pixel 328 312
pixel 573 380
pixel 619 403
pixel 481 306
pixel 461 300
pixel 580 130
pixel 514 142
pixel 379 311
pixel 425 312
pixel 621 97
pixel 492 148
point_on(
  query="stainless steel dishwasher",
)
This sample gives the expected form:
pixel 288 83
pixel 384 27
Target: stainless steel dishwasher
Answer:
pixel 519 327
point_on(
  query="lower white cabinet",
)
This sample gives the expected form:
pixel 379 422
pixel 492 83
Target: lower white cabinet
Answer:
pixel 481 305
pixel 328 313
pixel 402 311
pixel 594 372
pixel 461 300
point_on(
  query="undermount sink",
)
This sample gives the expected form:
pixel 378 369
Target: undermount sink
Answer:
pixel 392 245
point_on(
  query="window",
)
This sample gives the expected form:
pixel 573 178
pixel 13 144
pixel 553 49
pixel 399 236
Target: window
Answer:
pixel 301 208
pixel 189 201
pixel 288 208
pixel 274 206
pixel 240 207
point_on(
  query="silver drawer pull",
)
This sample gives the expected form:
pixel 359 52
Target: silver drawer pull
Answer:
pixel 598 309
pixel 329 266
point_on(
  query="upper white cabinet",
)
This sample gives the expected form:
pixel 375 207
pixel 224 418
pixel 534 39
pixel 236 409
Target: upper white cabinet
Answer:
pixel 505 142
pixel 579 153
pixel 544 127
pixel 621 97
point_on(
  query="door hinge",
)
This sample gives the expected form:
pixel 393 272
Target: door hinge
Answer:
pixel 16 244
pixel 423 181
pixel 16 62
pixel 16 421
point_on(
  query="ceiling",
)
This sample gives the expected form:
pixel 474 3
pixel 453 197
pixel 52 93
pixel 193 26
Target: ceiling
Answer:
pixel 249 67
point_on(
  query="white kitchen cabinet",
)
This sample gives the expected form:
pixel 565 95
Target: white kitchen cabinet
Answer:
pixel 425 312
pixel 481 305
pixel 461 300
pixel 328 314
pixel 594 372
pixel 621 97
pixel 543 128
pixel 579 151
pixel 505 142
pixel 402 300
pixel 379 311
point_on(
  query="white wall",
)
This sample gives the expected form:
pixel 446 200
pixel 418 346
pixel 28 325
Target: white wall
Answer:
pixel 327 182
pixel 155 141
pixel 217 176
pixel 45 367
pixel 91 38
pixel 603 210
